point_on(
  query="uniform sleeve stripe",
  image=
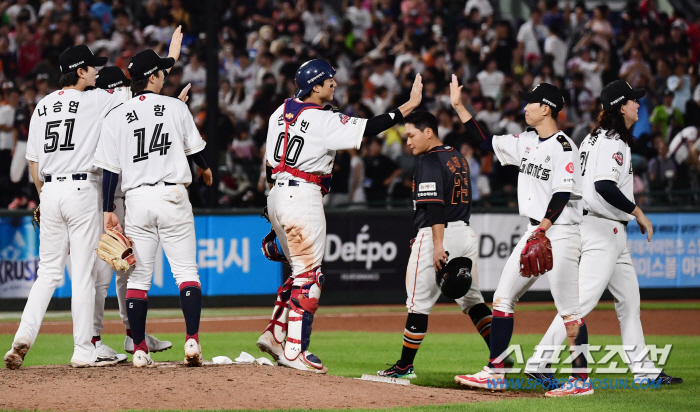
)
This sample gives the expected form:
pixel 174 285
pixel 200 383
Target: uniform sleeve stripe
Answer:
pixel 605 177
pixel 106 166
pixel 431 200
pixel 497 150
pixel 31 157
pixel 195 149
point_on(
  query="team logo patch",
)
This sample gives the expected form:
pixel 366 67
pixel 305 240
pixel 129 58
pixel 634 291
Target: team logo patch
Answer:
pixel 142 98
pixel 618 158
pixel 343 118
pixel 289 116
pixel 570 167
pixel 547 159
pixel 61 92
pixel 615 230
pixel 110 91
pixel 424 187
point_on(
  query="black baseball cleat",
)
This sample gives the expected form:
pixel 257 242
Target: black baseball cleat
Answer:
pixel 398 372
pixel 665 379
pixel 546 379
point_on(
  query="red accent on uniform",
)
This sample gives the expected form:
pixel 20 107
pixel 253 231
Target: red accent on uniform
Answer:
pixel 95 339
pixel 110 91
pixel 136 294
pixel 498 365
pixel 128 333
pixel 189 284
pixel 615 230
pixel 570 167
pixel 580 322
pixel 195 337
pixel 292 340
pixel 142 98
pixel 61 92
pixel 499 314
pixel 141 346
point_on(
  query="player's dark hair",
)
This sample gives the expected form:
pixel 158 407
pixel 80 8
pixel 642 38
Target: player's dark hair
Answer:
pixel 69 79
pixel 613 121
pixel 422 120
pixel 137 86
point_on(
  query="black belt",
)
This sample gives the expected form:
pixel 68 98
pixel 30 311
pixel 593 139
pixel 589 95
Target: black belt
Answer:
pixel 624 223
pixel 534 222
pixel 156 184
pixel 76 176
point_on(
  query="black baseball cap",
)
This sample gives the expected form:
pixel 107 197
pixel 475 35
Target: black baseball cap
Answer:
pixel 110 77
pixel 147 62
pixel 76 57
pixel 617 92
pixel 545 93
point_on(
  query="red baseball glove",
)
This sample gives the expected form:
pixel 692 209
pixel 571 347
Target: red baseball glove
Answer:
pixel 536 257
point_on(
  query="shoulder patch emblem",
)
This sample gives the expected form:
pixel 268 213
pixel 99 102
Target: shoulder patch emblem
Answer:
pixel 343 118
pixel 618 158
pixel 564 143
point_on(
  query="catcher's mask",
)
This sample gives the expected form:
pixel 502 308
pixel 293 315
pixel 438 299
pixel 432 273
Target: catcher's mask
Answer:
pixel 455 278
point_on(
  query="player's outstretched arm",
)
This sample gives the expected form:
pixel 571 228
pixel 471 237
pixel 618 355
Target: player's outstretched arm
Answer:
pixel 456 100
pixel 415 98
pixel 175 45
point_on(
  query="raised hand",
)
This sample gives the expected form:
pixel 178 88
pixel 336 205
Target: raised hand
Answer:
pixel 455 92
pixel 176 44
pixel 183 94
pixel 416 91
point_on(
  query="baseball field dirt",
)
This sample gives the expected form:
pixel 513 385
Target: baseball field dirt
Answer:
pixel 173 386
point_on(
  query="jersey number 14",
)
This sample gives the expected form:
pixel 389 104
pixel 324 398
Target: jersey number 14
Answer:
pixel 159 143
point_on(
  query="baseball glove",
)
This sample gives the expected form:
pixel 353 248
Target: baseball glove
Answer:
pixel 536 257
pixel 115 248
pixel 36 220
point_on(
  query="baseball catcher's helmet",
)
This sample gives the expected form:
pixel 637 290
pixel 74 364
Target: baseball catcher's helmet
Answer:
pixel 310 74
pixel 455 278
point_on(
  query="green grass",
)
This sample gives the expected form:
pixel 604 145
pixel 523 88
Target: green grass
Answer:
pixel 440 358
pixel 226 312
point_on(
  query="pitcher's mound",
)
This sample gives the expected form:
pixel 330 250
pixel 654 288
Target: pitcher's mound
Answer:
pixel 173 386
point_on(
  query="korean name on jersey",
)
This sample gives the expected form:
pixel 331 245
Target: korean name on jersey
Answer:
pixel 606 158
pixel 65 129
pixel 546 167
pixel 147 140
pixel 313 139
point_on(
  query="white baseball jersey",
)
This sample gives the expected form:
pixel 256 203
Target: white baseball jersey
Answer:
pixel 126 92
pixel 546 167
pixel 313 139
pixel 147 140
pixel 606 158
pixel 65 128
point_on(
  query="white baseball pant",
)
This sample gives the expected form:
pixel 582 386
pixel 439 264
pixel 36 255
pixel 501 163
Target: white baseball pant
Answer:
pixel 161 214
pixel 66 206
pixel 296 214
pixel 563 278
pixel 104 278
pixel 606 262
pixel 460 241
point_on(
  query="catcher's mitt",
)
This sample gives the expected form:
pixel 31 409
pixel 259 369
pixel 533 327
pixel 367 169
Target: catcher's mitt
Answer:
pixel 36 220
pixel 536 257
pixel 115 249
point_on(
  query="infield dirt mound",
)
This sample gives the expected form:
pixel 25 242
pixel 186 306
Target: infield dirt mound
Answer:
pixel 173 386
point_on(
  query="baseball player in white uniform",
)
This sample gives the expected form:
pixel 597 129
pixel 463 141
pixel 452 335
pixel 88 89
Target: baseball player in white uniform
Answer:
pixel 149 141
pixel 63 135
pixel 549 194
pixel 302 139
pixel 608 202
pixel 113 80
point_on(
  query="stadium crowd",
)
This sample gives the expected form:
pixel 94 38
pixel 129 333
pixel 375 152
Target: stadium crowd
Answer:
pixel 376 46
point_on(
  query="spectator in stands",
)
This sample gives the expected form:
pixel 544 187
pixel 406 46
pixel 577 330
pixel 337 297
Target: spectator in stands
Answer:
pixel 340 186
pixel 665 117
pixel 7 130
pixel 662 170
pixel 531 36
pixel 679 84
pixel 380 172
pixel 195 73
pixel 491 80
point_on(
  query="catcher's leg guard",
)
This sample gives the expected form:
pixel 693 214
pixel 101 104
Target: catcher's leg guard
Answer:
pixel 306 291
pixel 280 314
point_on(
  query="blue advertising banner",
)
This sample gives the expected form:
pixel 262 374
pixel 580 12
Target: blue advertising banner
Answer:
pixel 229 259
pixel 672 258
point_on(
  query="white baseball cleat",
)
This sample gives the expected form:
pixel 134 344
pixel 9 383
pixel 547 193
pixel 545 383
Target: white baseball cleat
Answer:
pixel 306 361
pixel 574 387
pixel 100 359
pixel 15 356
pixel 154 345
pixel 106 351
pixel 484 379
pixel 266 343
pixel 143 360
pixel 193 353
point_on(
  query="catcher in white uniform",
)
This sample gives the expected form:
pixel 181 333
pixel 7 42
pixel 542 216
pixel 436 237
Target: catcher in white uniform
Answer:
pixel 154 177
pixel 608 202
pixel 63 135
pixel 302 140
pixel 549 194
